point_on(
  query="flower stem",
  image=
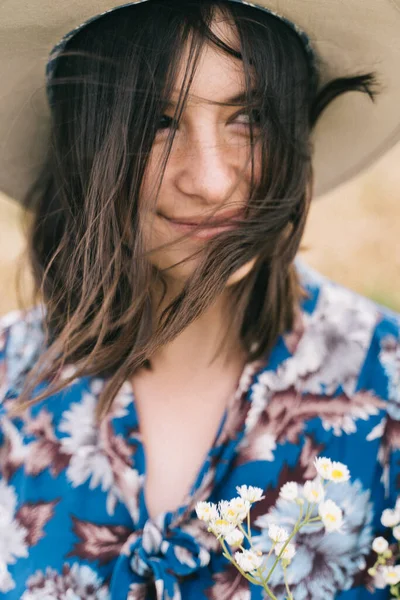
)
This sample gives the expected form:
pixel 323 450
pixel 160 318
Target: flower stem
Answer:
pixel 227 555
pixel 301 514
pixel 290 597
pixel 295 530
pixel 270 552
pixel 395 591
pixel 314 520
pixel 250 578
pixel 242 529
pixel 265 585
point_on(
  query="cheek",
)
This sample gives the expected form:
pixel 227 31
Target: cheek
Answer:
pixel 151 181
pixel 175 259
pixel 154 194
pixel 167 251
pixel 257 163
pixel 244 173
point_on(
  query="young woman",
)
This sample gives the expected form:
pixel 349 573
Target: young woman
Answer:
pixel 178 350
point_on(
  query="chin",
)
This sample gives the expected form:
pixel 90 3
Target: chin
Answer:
pixel 167 264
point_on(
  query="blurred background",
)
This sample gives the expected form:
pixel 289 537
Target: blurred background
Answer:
pixel 352 236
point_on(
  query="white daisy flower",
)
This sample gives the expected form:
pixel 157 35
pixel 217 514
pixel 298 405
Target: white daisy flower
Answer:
pixel 396 532
pixel 339 472
pixel 378 580
pixel 288 552
pixel 277 534
pixel 390 518
pixel 248 560
pixel 380 545
pixel 235 510
pixel 221 527
pixel 331 515
pixel 314 491
pixel 391 574
pixel 207 511
pixel 323 466
pixel 250 493
pixel 289 491
pixel 234 538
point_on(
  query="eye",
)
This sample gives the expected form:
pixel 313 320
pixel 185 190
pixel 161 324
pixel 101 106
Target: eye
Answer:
pixel 165 122
pixel 255 114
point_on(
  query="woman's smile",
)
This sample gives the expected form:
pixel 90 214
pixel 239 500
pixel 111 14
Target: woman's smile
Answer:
pixel 191 224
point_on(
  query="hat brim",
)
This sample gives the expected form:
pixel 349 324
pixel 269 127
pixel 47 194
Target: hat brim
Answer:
pixel 350 38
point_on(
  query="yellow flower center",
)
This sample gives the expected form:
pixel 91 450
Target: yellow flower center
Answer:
pixel 336 473
pixel 221 522
pixel 330 517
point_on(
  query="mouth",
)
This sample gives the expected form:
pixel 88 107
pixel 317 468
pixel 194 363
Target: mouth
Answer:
pixel 195 221
pixel 190 225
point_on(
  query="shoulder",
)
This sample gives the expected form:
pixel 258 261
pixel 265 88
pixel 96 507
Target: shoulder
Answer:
pixel 21 341
pixel 345 342
pixel 338 304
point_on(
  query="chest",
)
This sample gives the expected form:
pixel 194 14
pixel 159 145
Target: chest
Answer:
pixel 177 431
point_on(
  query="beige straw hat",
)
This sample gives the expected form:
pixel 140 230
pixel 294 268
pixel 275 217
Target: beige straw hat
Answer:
pixel 348 37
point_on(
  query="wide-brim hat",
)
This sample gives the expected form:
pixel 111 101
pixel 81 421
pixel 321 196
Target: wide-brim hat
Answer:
pixel 348 38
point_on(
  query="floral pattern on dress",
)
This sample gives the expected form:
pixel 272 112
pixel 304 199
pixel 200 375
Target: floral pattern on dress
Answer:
pixel 12 536
pixel 389 428
pixel 19 529
pixel 76 582
pixel 330 352
pixel 73 518
pixel 98 455
pixel 323 563
pixel 229 584
pixel 98 542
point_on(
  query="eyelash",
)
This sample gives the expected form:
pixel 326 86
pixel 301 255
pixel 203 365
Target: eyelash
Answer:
pixel 256 117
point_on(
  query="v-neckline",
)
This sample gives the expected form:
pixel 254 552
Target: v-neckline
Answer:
pixel 243 387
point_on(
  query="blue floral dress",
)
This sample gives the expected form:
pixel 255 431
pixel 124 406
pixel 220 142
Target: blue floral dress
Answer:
pixel 73 518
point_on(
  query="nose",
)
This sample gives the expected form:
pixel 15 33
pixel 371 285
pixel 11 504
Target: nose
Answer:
pixel 208 166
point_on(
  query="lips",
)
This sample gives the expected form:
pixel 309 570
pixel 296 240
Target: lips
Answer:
pixel 195 221
pixel 188 226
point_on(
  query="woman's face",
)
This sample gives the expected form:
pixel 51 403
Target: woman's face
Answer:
pixel 209 168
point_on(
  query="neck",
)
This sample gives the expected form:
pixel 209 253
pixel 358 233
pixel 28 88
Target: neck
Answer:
pixel 199 345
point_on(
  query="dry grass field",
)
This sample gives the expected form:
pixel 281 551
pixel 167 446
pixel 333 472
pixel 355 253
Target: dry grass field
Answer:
pixel 353 237
pixel 353 234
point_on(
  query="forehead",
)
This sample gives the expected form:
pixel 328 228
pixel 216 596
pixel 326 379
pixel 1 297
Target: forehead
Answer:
pixel 218 74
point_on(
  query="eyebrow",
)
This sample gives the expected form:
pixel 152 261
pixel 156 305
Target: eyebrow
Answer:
pixel 238 99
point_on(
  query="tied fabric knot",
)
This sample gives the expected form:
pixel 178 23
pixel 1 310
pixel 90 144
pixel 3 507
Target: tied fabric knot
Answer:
pixel 179 549
pixel 157 557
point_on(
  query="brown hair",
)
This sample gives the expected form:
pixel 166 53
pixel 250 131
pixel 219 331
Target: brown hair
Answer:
pixel 85 244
